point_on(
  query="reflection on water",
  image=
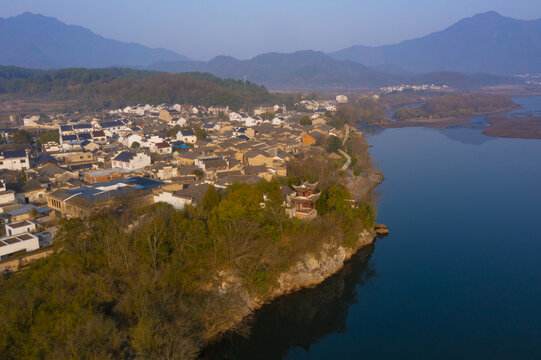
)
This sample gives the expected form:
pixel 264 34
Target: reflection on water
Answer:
pixel 466 135
pixel 300 319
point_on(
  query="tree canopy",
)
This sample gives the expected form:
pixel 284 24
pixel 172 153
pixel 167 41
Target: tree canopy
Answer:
pixel 149 283
pixel 22 137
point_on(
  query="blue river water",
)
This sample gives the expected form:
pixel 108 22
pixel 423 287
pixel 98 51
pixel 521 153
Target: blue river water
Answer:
pixel 459 276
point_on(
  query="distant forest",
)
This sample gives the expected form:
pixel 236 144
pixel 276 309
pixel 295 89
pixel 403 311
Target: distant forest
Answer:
pixel 454 105
pixel 94 89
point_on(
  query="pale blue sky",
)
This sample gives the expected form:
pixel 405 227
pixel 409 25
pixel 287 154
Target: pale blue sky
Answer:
pixel 202 29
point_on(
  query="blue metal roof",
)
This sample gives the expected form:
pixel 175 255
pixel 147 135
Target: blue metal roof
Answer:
pixel 14 154
pixel 69 138
pixel 43 158
pixel 124 156
pixel 109 124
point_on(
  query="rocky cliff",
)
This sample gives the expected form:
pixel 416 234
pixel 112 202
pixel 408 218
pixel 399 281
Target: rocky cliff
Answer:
pixel 308 272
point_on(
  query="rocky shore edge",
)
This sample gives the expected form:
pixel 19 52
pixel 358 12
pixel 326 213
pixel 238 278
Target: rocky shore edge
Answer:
pixel 310 271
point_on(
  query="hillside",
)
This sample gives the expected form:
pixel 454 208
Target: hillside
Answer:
pixel 93 89
pixel 37 41
pixel 488 43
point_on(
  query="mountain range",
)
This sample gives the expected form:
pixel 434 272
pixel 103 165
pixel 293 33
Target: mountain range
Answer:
pixel 460 56
pixel 314 70
pixel 41 42
pixel 298 70
pixel 487 42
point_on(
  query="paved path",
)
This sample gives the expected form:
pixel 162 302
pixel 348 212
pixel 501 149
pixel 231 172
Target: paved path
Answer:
pixel 346 137
pixel 348 159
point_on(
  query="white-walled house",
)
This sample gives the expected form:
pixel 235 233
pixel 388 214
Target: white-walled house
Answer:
pixel 83 128
pixel 188 136
pixel 14 160
pixel 31 121
pixel 277 121
pixel 234 116
pixel 20 227
pixel 99 137
pixel 130 139
pixel 252 121
pixel 177 121
pixel 114 127
pixel 162 148
pixel 341 99
pixel 12 244
pixel 6 196
pixel 175 200
pixel 212 126
pixel 130 161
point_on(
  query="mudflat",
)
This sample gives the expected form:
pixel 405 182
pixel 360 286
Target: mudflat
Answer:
pixel 524 127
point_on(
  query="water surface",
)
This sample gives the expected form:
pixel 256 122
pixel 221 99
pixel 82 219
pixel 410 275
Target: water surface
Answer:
pixel 459 276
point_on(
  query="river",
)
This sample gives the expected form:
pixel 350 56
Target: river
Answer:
pixel 458 277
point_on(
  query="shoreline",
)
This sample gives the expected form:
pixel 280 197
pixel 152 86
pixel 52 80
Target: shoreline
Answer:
pixel 444 122
pixel 308 273
pixel 500 124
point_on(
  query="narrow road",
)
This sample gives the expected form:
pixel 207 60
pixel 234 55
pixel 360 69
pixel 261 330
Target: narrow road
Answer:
pixel 348 159
pixel 346 137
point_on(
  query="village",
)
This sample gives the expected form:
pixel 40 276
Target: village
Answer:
pixel 145 154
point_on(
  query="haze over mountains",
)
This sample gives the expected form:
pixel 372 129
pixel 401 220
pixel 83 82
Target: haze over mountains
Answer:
pixel 485 43
pixel 36 41
pixel 304 70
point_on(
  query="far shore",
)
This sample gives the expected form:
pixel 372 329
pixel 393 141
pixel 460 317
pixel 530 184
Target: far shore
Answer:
pixel 500 124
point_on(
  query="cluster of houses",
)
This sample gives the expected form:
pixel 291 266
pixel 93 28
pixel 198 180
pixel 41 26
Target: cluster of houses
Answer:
pixel 142 155
pixel 424 87
pixel 320 107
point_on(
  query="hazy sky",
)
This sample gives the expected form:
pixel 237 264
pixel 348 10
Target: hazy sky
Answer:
pixel 202 29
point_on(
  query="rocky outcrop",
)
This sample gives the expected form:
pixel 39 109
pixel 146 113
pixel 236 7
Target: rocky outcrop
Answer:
pixel 313 269
pixel 381 230
pixel 309 271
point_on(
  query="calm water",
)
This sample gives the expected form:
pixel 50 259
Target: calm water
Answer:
pixel 459 276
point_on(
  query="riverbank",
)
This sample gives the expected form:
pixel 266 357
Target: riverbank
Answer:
pixel 500 124
pixel 314 266
pixel 309 272
pixel 443 122
pixel 426 273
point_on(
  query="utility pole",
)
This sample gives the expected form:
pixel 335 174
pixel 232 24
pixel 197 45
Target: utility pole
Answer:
pixel 245 100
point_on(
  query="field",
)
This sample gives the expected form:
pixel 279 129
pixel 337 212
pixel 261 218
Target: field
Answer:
pixel 12 105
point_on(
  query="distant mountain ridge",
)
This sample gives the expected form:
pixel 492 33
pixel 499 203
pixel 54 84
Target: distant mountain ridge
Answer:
pixel 36 41
pixel 298 70
pixel 488 42
pixel 305 70
pixel 39 42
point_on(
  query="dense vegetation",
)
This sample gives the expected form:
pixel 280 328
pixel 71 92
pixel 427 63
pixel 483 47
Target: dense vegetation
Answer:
pixel 454 105
pixel 149 284
pixel 366 110
pixel 93 89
